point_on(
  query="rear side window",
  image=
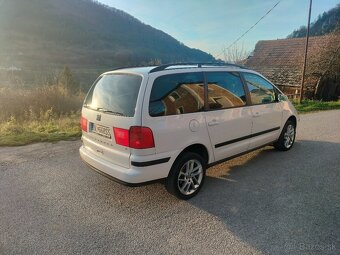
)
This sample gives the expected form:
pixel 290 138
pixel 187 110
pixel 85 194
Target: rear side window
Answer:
pixel 225 90
pixel 261 91
pixel 177 94
pixel 115 94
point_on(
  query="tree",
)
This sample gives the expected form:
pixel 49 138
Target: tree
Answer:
pixel 326 23
pixel 67 80
pixel 323 62
pixel 236 54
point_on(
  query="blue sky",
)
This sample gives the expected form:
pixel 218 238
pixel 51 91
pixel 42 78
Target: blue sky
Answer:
pixel 210 25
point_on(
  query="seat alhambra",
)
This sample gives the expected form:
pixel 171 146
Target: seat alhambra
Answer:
pixel 173 121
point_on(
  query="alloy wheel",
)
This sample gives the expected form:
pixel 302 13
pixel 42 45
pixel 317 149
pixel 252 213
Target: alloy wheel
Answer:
pixel 289 136
pixel 190 177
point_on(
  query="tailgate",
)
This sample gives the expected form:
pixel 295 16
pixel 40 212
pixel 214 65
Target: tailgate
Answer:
pixel 111 103
pixel 100 139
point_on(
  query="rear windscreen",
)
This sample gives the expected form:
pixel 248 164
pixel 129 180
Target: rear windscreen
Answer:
pixel 115 94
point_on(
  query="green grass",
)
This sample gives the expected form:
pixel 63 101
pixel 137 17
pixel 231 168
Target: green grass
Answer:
pixel 49 128
pixel 14 133
pixel 43 113
pixel 314 106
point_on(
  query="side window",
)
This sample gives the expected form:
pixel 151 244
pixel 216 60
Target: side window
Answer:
pixel 225 90
pixel 177 94
pixel 261 91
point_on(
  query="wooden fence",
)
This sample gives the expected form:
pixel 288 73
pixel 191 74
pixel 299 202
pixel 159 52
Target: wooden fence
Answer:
pixel 292 92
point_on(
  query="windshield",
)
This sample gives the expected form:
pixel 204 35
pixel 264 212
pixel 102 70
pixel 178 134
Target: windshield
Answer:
pixel 115 94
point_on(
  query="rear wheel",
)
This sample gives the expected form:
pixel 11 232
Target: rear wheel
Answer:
pixel 287 137
pixel 186 176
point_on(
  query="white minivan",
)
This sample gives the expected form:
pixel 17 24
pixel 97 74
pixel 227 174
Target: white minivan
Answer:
pixel 173 121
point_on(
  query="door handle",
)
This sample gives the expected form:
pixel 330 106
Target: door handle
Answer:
pixel 213 123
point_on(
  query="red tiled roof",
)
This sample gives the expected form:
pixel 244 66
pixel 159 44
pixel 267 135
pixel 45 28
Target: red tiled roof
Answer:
pixel 281 60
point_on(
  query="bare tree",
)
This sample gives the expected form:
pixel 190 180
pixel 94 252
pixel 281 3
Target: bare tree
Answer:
pixel 323 62
pixel 236 54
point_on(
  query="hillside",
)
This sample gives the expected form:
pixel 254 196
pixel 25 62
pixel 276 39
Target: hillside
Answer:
pixel 326 23
pixel 40 36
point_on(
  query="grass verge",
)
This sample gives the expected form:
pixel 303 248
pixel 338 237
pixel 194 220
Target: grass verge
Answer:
pixel 314 106
pixel 49 128
pixel 14 133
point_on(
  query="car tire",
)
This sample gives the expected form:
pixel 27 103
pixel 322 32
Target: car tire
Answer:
pixel 287 137
pixel 186 176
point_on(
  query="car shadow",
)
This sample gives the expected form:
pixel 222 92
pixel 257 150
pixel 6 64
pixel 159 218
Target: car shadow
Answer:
pixel 279 202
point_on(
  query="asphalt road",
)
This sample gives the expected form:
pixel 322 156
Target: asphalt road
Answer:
pixel 266 202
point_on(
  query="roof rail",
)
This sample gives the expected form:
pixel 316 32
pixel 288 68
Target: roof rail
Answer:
pixel 125 67
pixel 199 65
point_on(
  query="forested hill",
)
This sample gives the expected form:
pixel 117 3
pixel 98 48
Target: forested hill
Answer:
pixel 326 23
pixel 82 34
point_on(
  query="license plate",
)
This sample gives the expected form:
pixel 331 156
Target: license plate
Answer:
pixel 101 130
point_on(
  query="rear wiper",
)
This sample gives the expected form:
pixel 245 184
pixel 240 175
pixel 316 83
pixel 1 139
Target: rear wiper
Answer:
pixel 109 111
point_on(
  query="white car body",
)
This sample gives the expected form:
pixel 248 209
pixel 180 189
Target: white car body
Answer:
pixel 224 133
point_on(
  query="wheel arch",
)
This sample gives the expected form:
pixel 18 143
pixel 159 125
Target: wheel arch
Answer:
pixel 293 118
pixel 197 148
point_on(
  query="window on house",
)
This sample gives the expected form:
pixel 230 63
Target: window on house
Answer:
pixel 180 110
pixel 174 96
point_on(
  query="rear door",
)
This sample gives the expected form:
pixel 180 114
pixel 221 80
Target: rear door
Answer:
pixel 111 103
pixel 174 110
pixel 228 117
pixel 266 110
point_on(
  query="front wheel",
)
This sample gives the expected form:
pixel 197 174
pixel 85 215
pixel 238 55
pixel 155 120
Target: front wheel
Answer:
pixel 186 176
pixel 287 137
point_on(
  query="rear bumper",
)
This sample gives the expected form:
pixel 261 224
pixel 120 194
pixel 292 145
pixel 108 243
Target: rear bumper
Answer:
pixel 133 176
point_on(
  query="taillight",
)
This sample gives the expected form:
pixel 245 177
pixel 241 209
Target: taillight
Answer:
pixel 141 138
pixel 121 136
pixel 83 124
pixel 136 137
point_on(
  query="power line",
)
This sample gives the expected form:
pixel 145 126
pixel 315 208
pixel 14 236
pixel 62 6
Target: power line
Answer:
pixel 240 37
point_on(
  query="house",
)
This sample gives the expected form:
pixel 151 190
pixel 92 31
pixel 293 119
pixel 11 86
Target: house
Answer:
pixel 281 62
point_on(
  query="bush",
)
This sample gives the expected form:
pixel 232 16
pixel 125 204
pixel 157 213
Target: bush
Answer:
pixel 46 113
pixel 40 103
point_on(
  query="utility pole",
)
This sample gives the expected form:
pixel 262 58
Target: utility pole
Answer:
pixel 306 50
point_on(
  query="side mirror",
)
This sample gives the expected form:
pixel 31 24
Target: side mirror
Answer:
pixel 281 97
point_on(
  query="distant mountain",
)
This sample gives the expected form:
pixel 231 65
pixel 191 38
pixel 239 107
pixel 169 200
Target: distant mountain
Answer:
pixel 326 23
pixel 83 34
